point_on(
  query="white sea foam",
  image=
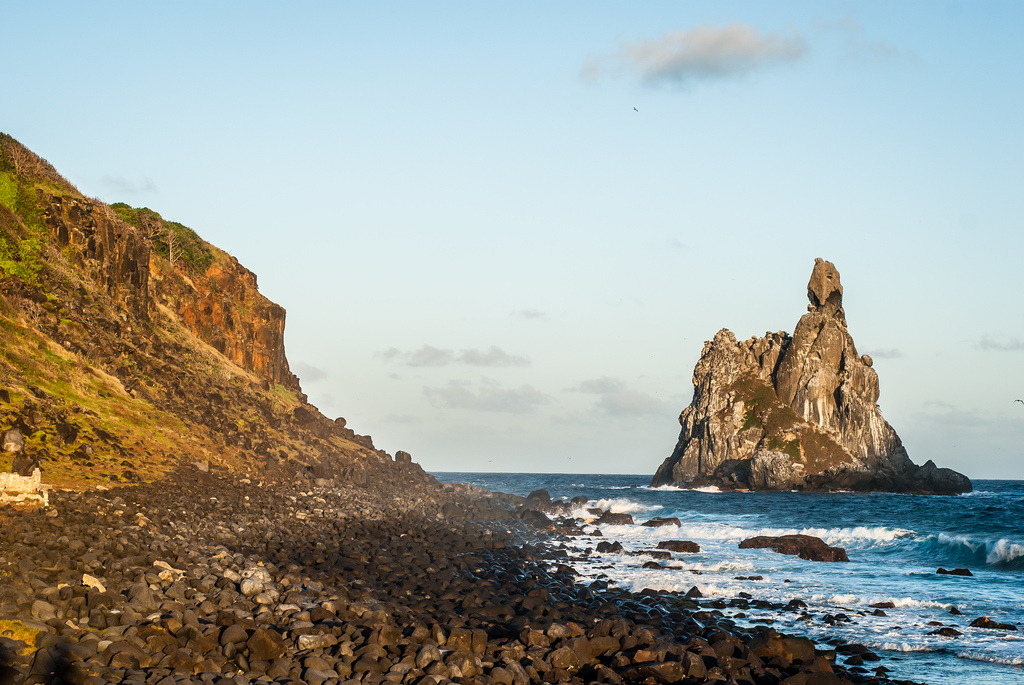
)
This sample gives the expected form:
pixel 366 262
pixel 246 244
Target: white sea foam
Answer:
pixel 996 551
pixel 622 505
pixel 1003 550
pixel 1009 660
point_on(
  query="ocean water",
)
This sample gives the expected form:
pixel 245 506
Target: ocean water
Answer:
pixel 895 544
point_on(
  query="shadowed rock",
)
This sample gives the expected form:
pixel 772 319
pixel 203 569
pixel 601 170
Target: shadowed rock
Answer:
pixel 804 546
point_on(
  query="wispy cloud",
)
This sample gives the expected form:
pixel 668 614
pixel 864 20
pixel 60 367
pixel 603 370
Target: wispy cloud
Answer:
pixel 885 353
pixel 120 185
pixel 308 373
pixel 531 314
pixel 487 396
pixel 859 46
pixel 1001 343
pixel 617 399
pixel 428 355
pixel 702 53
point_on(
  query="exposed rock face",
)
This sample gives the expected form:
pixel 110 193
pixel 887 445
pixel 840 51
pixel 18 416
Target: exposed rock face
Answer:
pixel 131 345
pixel 795 412
pixel 223 307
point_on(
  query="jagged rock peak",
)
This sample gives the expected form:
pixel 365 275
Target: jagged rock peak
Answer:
pixel 795 411
pixel 824 289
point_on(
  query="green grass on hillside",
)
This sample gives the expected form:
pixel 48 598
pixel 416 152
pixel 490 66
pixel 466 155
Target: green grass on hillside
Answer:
pixel 189 248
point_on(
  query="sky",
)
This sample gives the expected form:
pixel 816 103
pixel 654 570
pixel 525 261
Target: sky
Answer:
pixel 503 231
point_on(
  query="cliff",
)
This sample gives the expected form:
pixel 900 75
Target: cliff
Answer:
pixel 130 346
pixel 796 411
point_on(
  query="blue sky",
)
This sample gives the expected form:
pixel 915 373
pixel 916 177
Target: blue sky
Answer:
pixel 503 232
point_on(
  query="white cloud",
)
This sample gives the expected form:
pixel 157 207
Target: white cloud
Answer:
pixel 1001 343
pixel 702 53
pixel 488 396
pixel 885 353
pixel 494 356
pixel 859 46
pixel 532 314
pixel 428 355
pixel 617 399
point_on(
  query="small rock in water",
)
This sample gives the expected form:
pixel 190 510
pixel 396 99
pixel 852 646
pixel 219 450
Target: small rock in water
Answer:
pixel 684 546
pixel 986 622
pixel 658 522
pixel 606 547
pixel 955 572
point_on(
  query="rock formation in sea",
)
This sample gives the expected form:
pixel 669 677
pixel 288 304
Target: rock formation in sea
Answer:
pixel 796 411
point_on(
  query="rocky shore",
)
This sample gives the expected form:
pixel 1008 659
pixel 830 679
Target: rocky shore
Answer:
pixel 203 578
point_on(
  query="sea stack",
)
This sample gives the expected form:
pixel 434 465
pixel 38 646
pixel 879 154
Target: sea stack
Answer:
pixel 799 411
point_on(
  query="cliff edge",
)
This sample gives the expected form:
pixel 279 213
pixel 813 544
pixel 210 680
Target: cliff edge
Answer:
pixel 130 347
pixel 799 411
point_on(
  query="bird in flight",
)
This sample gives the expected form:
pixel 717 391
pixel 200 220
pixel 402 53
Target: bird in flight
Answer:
pixel 1021 401
pixel 635 109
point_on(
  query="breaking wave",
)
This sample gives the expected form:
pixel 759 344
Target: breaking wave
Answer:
pixel 1002 554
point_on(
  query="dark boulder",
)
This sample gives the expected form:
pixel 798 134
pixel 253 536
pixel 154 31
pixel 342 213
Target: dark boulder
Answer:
pixel 658 522
pixel 684 546
pixel 954 572
pixel 535 518
pixel 611 519
pixel 606 547
pixel 989 624
pixel 804 546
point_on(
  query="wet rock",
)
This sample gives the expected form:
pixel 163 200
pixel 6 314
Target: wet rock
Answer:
pixel 682 546
pixel 606 547
pixel 658 522
pixel 954 572
pixel 613 519
pixel 804 546
pixel 989 624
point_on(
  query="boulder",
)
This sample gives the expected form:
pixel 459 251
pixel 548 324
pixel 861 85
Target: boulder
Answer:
pixel 954 572
pixel 13 441
pixel 989 624
pixel 611 519
pixel 804 546
pixel 658 522
pixel 684 546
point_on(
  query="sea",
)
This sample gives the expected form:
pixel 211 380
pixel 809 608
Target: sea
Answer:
pixel 895 543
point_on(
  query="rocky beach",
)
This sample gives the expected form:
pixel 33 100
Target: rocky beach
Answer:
pixel 206 578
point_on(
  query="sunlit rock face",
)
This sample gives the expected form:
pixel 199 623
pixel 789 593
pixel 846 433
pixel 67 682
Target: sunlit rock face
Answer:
pixel 808 397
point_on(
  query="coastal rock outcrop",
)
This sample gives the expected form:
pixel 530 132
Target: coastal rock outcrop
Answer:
pixel 804 546
pixel 796 411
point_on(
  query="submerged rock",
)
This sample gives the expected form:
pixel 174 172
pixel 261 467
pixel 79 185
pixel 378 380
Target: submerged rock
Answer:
pixel 796 411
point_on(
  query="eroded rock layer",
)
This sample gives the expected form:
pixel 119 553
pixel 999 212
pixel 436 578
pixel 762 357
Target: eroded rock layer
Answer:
pixel 795 411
